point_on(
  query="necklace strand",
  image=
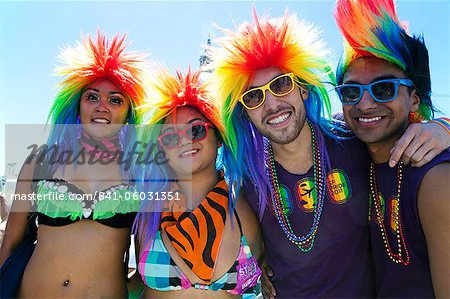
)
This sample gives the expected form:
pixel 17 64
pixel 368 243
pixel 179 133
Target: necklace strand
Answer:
pixel 379 218
pixel 306 242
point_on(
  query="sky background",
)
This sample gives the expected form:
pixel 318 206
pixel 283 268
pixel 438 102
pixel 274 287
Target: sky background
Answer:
pixel 33 32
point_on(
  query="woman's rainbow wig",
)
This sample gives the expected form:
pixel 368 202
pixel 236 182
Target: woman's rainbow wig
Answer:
pixel 371 29
pixel 286 43
pixel 90 60
pixel 168 93
pixel 83 64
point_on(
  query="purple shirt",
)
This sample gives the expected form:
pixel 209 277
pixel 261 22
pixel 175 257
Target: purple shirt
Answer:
pixel 339 264
pixel 398 280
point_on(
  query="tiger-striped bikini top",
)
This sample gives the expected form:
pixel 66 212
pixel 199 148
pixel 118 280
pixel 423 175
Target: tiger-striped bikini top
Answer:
pixel 160 272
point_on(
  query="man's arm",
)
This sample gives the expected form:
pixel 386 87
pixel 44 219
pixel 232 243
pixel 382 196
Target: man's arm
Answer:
pixel 434 211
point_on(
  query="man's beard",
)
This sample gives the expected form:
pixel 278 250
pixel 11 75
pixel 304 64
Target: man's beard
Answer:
pixel 289 134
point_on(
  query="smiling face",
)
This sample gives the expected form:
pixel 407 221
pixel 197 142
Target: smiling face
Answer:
pixel 280 119
pixel 375 122
pixel 103 109
pixel 190 157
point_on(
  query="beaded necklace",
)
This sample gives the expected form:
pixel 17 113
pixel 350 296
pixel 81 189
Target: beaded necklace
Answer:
pixel 306 242
pixel 394 257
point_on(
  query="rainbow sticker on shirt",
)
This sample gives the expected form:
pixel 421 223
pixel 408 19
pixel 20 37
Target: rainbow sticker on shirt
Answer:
pixel 286 200
pixel 383 207
pixel 393 212
pixel 306 194
pixel 338 186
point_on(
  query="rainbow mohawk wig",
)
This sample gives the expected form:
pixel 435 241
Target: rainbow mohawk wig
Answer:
pixel 91 60
pixel 287 44
pixel 371 29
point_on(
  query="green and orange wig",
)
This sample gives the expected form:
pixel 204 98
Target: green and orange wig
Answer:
pixel 371 28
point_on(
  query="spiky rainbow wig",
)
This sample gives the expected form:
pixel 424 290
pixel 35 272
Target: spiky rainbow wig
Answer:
pixel 90 60
pixel 286 43
pixel 167 94
pixel 371 29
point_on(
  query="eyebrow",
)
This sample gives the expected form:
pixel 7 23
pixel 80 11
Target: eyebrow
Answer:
pixel 93 89
pixel 117 93
pixel 251 87
pixel 111 93
pixel 384 77
pixel 195 119
pixel 189 122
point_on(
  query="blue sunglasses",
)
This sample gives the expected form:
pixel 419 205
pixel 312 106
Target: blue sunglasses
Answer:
pixel 381 91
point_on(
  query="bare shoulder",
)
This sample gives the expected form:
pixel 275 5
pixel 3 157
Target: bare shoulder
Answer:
pixel 436 181
pixel 434 190
pixel 23 185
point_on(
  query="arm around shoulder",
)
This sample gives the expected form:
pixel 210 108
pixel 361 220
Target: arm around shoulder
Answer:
pixel 434 212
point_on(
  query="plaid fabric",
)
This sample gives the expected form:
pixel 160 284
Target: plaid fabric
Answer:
pixel 159 271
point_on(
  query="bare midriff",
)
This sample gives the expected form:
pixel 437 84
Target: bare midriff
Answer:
pixel 83 259
pixel 188 294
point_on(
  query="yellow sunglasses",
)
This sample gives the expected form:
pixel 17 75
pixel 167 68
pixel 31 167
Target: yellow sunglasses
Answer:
pixel 278 86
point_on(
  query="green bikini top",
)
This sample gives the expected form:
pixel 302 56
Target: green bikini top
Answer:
pixel 60 203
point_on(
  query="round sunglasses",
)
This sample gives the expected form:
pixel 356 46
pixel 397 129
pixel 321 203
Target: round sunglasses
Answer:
pixel 195 132
pixel 381 91
pixel 278 86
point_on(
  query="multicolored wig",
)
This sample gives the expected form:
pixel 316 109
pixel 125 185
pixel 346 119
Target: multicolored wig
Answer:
pixel 90 60
pixel 371 29
pixel 85 63
pixel 286 43
pixel 168 93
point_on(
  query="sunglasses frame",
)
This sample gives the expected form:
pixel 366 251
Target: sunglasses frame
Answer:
pixel 182 133
pixel 267 87
pixel 362 87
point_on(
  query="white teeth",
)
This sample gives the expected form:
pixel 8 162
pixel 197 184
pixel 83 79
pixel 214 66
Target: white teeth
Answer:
pixel 101 120
pixel 189 153
pixel 369 120
pixel 279 119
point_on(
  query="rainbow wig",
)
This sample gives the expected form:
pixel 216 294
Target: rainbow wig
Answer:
pixel 91 60
pixel 168 93
pixel 81 65
pixel 288 44
pixel 371 29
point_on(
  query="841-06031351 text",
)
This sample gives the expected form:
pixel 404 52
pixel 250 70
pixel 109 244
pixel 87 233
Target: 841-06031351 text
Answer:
pixel 161 195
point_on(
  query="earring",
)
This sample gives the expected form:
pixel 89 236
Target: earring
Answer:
pixel 415 117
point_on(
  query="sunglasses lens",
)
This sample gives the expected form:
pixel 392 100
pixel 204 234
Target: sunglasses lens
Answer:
pixel 349 94
pixel 170 140
pixel 196 132
pixel 384 91
pixel 281 85
pixel 252 98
